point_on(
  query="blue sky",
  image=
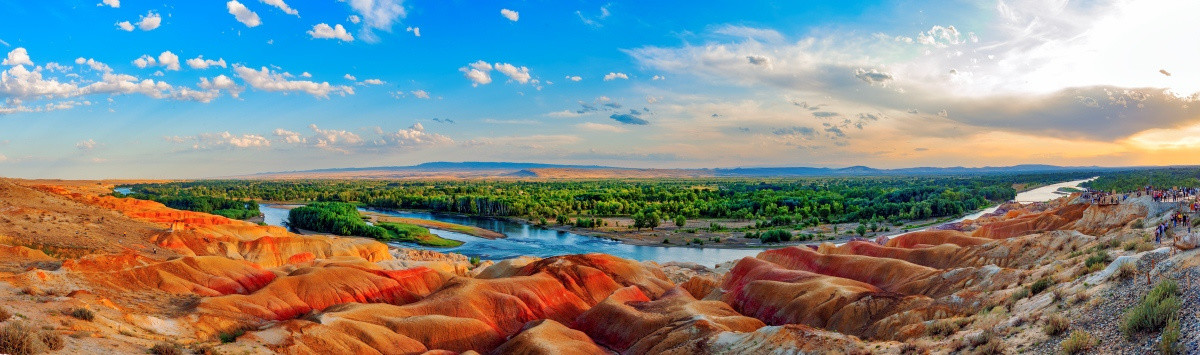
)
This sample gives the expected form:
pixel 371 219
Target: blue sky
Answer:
pixel 96 89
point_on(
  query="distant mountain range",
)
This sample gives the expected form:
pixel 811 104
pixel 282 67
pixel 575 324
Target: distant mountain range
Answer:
pixel 538 170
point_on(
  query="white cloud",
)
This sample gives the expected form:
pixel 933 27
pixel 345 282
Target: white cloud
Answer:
pixel 110 3
pixel 243 14
pixel 322 30
pixel 282 6
pixel 149 22
pixel 941 36
pixel 377 15
pixel 332 139
pixel 479 73
pixel 373 82
pixel 267 80
pixel 125 26
pixel 168 60
pixel 518 74
pixel 145 61
pixel 600 127
pixel 354 19
pixel 289 136
pixel 349 77
pixel 421 94
pixel 3 158
pixel 595 22
pixel 510 15
pixel 416 31
pixel 86 145
pixel 223 140
pixel 613 76
pixel 94 64
pixel 221 82
pixel 658 77
pixel 414 136
pixel 18 56
pixel 201 63
pixel 574 78
pixel 305 75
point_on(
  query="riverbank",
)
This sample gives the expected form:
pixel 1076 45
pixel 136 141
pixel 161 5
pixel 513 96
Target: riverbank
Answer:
pixel 376 217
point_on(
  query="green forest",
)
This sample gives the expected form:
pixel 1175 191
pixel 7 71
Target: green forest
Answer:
pixel 342 218
pixel 229 208
pixel 785 201
pixel 1162 178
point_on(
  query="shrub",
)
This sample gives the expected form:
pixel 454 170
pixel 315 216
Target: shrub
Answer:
pixel 52 340
pixel 775 236
pixel 1145 247
pixel 987 343
pixel 1139 223
pixel 82 314
pixel 942 328
pixel 1131 245
pixel 1039 286
pixel 1168 344
pixel 4 314
pixel 1056 324
pixel 666 241
pixel 20 339
pixel 1077 342
pixel 1160 305
pixel 1098 258
pixel 166 349
pixel 1019 294
pixel 230 337
pixel 1126 271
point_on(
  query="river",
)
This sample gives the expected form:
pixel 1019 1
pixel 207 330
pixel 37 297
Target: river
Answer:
pixel 524 239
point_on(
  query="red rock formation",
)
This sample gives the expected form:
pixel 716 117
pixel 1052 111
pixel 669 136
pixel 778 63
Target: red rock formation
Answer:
pixel 549 337
pixel 939 257
pixel 934 237
pixel 891 275
pixel 778 296
pixel 204 276
pixel 593 277
pixel 1052 219
pixel 628 321
pixel 317 288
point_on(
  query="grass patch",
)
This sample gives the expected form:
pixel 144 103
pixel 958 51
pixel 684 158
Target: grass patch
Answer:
pixel 1169 343
pixel 5 314
pixel 1039 286
pixel 231 336
pixel 1126 271
pixel 1056 324
pixel 20 339
pixel 943 328
pixel 1078 342
pixel 1019 294
pixel 82 314
pixel 166 349
pixel 1099 258
pixel 1160 305
pixel 403 232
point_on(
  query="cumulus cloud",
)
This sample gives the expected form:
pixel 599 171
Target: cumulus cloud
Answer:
pixel 289 136
pixel 941 36
pixel 872 76
pixel 574 78
pixel 372 82
pixel 166 59
pixel 479 73
pixel 201 63
pixel 282 6
pixel 125 26
pixel 92 63
pixel 377 15
pixel 354 19
pixel 421 94
pixel 18 56
pixel 510 14
pixel 221 82
pixel 267 80
pixel 614 75
pixel 230 140
pixel 110 3
pixel 243 14
pixel 416 31
pixel 518 74
pixel 150 21
pixel 414 136
pixel 322 30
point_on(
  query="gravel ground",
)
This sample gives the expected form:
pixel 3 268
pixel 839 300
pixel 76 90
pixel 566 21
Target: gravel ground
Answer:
pixel 1103 319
